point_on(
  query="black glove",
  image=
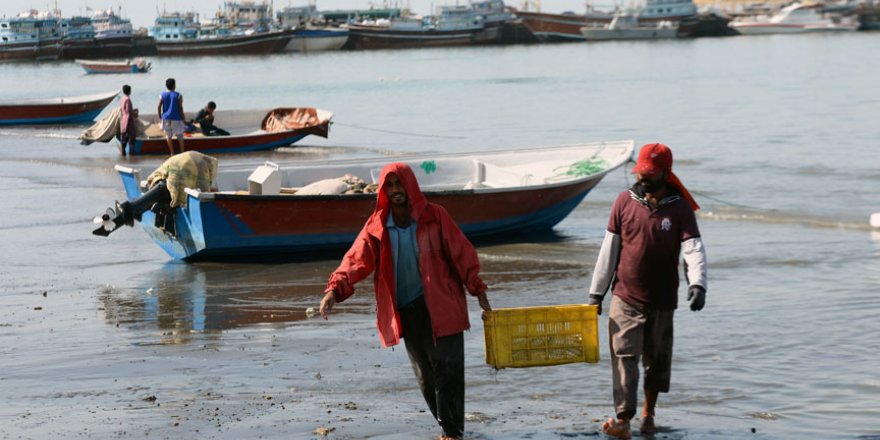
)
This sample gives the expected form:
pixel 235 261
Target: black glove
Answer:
pixel 697 297
pixel 596 300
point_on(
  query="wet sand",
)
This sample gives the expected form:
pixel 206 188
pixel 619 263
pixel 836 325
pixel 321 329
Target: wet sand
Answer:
pixel 227 351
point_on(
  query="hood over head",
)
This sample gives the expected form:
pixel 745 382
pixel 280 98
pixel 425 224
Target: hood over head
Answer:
pixel 414 197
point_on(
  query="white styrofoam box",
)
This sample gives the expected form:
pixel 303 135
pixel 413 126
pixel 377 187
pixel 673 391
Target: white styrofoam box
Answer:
pixel 265 180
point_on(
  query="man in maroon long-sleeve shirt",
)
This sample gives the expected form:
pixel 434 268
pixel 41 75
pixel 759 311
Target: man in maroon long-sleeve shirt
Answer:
pixel 650 226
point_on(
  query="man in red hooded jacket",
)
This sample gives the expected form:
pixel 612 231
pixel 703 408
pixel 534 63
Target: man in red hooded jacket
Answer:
pixel 421 261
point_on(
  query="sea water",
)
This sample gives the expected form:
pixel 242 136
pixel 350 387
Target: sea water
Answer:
pixel 776 136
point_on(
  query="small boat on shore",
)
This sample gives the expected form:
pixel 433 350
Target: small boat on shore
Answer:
pixel 54 110
pixel 250 130
pixel 492 193
pixel 138 65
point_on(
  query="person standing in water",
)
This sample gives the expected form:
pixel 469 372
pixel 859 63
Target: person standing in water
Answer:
pixel 127 121
pixel 423 263
pixel 650 227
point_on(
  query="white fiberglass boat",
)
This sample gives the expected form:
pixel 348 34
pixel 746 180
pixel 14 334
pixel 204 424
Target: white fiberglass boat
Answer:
pixel 795 18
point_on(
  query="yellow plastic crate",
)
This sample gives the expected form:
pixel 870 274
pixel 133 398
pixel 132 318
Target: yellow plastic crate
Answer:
pixel 539 336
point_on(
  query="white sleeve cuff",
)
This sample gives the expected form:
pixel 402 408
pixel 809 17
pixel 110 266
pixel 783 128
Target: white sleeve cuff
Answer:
pixel 695 262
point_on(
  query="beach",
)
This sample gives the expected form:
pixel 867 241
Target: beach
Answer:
pixel 110 338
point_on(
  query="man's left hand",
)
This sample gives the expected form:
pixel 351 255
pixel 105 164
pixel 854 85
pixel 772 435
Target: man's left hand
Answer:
pixel 697 297
pixel 484 302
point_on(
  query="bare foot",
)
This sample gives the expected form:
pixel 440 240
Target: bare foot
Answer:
pixel 648 426
pixel 617 429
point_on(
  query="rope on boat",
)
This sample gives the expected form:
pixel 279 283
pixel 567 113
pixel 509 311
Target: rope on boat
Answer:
pixel 626 175
pixel 724 202
pixel 441 136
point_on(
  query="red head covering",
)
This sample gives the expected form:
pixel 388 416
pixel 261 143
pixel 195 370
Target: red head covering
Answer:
pixel 415 198
pixel 656 158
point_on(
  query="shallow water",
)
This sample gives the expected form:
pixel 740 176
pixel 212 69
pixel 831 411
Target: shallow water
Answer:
pixel 775 135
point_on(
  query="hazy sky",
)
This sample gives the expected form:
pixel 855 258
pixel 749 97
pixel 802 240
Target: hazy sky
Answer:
pixel 143 12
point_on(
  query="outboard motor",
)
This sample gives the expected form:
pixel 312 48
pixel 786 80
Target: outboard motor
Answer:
pixel 157 199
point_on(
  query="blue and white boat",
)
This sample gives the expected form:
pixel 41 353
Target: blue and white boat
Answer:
pixel 492 193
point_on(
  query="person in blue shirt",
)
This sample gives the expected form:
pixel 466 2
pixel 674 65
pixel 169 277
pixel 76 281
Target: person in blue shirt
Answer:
pixel 171 114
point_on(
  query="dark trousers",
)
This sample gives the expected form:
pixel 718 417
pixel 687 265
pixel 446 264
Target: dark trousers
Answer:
pixel 211 130
pixel 439 368
pixel 127 139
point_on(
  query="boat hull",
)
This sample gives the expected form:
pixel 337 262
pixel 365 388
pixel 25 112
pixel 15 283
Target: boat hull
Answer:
pixel 61 111
pixel 254 140
pixel 256 44
pixel 33 50
pixel 550 28
pixel 594 34
pixel 362 37
pixel 309 40
pixel 227 144
pixel 96 67
pixel 770 28
pixel 230 227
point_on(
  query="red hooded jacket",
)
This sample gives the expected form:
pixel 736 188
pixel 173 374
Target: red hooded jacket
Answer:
pixel 447 261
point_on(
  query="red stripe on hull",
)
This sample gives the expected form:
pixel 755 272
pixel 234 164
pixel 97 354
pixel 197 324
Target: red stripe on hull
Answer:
pixel 285 215
pixel 38 111
pixel 232 143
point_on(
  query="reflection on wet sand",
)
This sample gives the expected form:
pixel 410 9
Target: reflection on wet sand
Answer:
pixel 180 299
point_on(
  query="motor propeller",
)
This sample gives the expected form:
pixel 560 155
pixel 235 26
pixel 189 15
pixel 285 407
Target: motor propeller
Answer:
pixel 108 222
pixel 156 199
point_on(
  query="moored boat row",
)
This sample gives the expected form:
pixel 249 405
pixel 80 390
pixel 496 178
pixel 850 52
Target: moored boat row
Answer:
pixel 253 31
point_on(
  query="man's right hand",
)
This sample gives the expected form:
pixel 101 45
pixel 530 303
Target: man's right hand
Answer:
pixel 327 303
pixel 596 300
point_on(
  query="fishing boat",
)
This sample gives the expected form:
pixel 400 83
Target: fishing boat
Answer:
pixel 493 193
pixel 180 35
pixel 54 110
pixel 317 38
pixel 627 27
pixel 250 130
pixel 567 26
pixel 238 44
pixel 30 36
pixel 113 33
pixel 311 31
pixel 792 19
pixel 453 26
pixel 138 65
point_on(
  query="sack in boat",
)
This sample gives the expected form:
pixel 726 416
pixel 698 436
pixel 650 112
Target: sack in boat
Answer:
pixel 324 187
pixel 190 169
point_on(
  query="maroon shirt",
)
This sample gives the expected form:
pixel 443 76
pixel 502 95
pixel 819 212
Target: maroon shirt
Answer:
pixel 647 271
